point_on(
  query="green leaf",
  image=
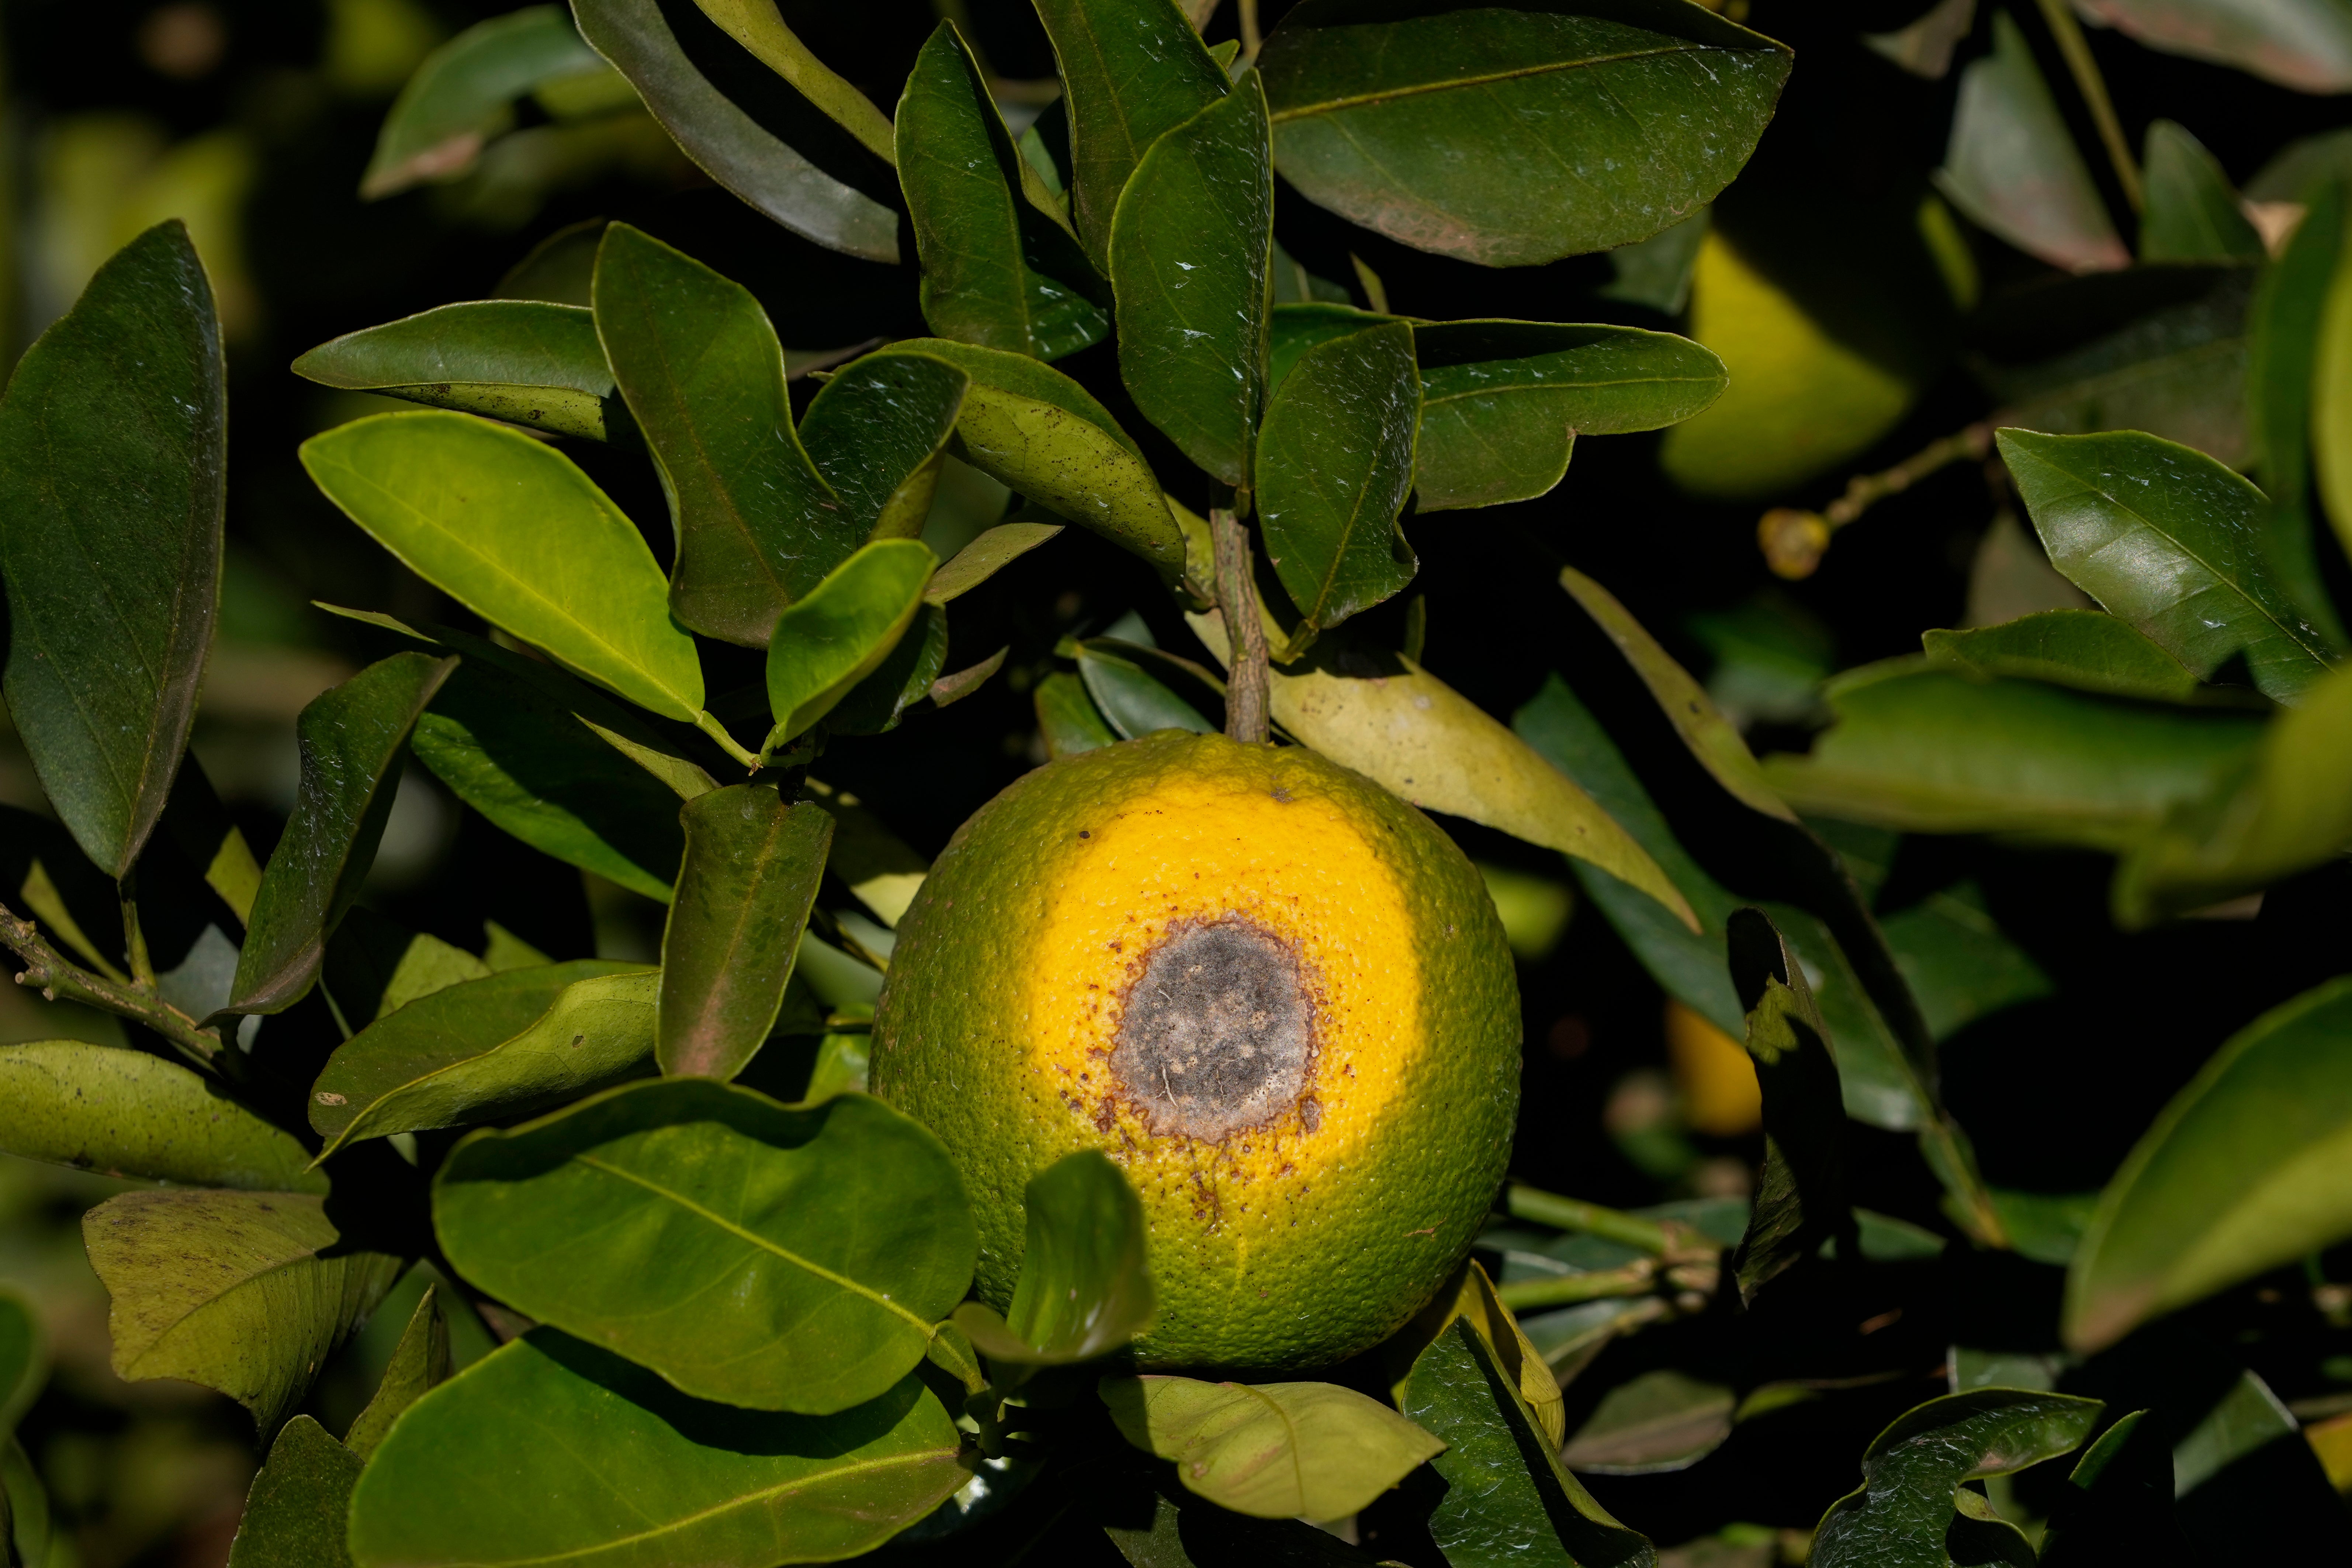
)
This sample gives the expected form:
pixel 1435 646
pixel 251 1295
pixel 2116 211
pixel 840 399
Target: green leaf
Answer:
pixel 757 526
pixel 842 631
pixel 1958 962
pixel 517 1042
pixel 1035 430
pixel 2171 541
pixel 2245 1170
pixel 464 95
pixel 2011 164
pixel 1801 1197
pixel 993 260
pixel 2331 365
pixel 127 1113
pixel 1084 1288
pixel 752 865
pixel 836 1234
pixel 1502 403
pixel 986 556
pixel 2305 44
pixel 112 474
pixel 729 144
pixel 1655 1423
pixel 2280 384
pixel 1423 741
pixel 420 1361
pixel 876 431
pixel 908 674
pixel 514 360
pixel 1190 254
pixel 2087 650
pixel 1508 1500
pixel 1068 718
pixel 2284 812
pixel 23 1358
pixel 470 1479
pixel 294 1516
pixel 247 1293
pixel 375 965
pixel 524 761
pixel 1271 1450
pixel 761 28
pixel 353 739
pixel 28 1523
pixel 515 532
pixel 1518 133
pixel 1337 460
pixel 1131 70
pixel 1129 696
pixel 1924 750
pixel 1898 1518
pixel 2192 214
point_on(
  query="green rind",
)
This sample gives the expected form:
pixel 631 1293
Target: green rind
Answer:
pixel 1368 1240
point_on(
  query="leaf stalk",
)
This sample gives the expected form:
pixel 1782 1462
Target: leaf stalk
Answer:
pixel 57 980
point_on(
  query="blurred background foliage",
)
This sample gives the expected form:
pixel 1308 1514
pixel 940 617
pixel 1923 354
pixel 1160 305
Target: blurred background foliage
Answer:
pixel 1940 228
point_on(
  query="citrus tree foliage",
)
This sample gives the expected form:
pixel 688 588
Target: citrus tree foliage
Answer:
pixel 730 1290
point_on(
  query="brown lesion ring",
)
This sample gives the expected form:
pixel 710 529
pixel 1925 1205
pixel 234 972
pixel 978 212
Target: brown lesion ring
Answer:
pixel 1216 1032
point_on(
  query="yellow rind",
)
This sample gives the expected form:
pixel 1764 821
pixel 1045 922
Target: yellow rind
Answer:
pixel 1296 1243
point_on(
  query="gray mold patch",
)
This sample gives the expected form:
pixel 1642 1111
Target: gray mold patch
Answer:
pixel 1217 1031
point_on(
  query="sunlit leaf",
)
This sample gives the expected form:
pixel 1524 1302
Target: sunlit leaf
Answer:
pixel 127 1113
pixel 986 556
pixel 842 629
pixel 519 361
pixel 1084 1288
pixel 752 865
pixel 1273 1450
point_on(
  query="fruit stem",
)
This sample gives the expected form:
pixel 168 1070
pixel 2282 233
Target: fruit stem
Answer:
pixel 57 980
pixel 1245 681
pixel 1635 1278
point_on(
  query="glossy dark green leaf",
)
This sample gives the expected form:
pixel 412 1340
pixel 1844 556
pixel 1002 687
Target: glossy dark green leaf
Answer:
pixel 420 1361
pixel 112 475
pixel 1898 1517
pixel 294 1516
pixel 353 740
pixel 1084 1288
pixel 837 1234
pixel 127 1113
pixel 1337 463
pixel 1926 750
pixel 986 556
pixel 1131 70
pixel 1068 718
pixel 514 531
pixel 1425 742
pixel 1134 700
pixel 247 1293
pixel 1801 1197
pixel 1957 961
pixel 1033 429
pixel 516 1042
pixel 2192 212
pixel 994 263
pixel 1272 1450
pixel 515 359
pixel 875 432
pixel 468 1477
pixel 1655 1423
pixel 752 865
pixel 2243 1172
pixel 735 149
pixel 2171 541
pixel 757 526
pixel 2011 164
pixel 1190 253
pixel 1427 123
pixel 908 674
pixel 2088 650
pixel 464 94
pixel 2284 812
pixel 2305 44
pixel 535 769
pixel 1508 1500
pixel 1502 403
pixel 843 630
pixel 2282 334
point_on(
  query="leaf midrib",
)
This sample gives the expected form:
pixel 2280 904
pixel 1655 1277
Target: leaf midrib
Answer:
pixel 742 1233
pixel 1485 78
pixel 1497 390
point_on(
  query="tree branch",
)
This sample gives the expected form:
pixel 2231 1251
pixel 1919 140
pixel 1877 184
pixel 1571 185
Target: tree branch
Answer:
pixel 1245 678
pixel 58 980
